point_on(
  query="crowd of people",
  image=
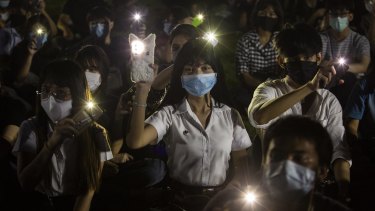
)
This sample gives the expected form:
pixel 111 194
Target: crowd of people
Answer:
pixel 126 105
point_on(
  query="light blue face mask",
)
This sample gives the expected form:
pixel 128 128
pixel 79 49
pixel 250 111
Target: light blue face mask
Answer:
pixel 338 23
pixel 97 29
pixel 199 84
pixel 288 180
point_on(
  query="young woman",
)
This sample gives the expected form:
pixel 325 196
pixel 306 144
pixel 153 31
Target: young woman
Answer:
pixel 53 158
pixel 200 131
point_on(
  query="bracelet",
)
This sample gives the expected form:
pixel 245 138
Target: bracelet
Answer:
pixel 139 105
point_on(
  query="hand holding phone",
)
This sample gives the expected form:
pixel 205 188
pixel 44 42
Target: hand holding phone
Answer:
pixel 86 116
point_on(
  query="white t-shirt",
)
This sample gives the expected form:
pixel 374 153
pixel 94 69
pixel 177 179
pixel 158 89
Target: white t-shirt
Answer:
pixel 326 109
pixel 64 159
pixel 199 156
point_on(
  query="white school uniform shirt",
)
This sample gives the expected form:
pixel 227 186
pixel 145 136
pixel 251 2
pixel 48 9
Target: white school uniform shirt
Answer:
pixel 326 109
pixel 64 159
pixel 199 156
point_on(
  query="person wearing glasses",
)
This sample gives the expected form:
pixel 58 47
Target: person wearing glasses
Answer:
pixel 201 132
pixel 340 42
pixel 64 166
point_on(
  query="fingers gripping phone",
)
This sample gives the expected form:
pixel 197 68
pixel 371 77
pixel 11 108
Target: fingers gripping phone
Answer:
pixel 86 116
pixel 142 56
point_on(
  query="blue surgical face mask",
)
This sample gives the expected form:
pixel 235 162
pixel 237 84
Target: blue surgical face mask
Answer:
pixel 199 84
pixel 98 29
pixel 288 180
pixel 339 23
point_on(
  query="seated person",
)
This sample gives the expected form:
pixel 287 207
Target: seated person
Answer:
pixel 52 157
pixel 201 133
pixel 299 94
pixel 298 154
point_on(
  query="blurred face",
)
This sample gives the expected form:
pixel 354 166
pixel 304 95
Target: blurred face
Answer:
pixel 198 67
pixel 187 20
pixel 59 93
pixel 267 12
pixel 299 151
pixel 177 43
pixel 100 27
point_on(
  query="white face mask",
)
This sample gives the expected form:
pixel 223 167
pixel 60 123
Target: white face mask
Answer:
pixel 56 110
pixel 94 80
pixel 288 180
pixel 4 16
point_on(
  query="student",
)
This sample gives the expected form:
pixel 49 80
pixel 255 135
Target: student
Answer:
pixel 298 155
pixel 200 131
pixel 339 41
pixel 255 53
pixel 53 159
pixel 299 94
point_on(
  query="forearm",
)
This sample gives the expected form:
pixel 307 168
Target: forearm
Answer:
pixel 51 23
pixel 134 138
pixel 371 31
pixel 163 78
pixel 116 146
pixel 24 70
pixel 341 170
pixel 83 202
pixel 32 174
pixel 241 167
pixel 274 108
pixel 358 68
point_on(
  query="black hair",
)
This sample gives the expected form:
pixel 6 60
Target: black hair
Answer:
pixel 179 13
pixel 334 5
pixel 263 4
pixel 67 73
pixel 90 53
pixel 192 51
pixel 300 39
pixel 186 30
pixel 99 12
pixel 291 128
pixel 35 21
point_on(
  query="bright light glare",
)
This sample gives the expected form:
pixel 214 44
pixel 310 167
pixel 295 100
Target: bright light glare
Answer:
pixel 39 31
pixel 250 197
pixel 137 47
pixel 90 105
pixel 137 16
pixel 210 36
pixel 200 16
pixel 341 61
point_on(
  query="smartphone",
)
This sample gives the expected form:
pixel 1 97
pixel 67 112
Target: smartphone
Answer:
pixel 141 57
pixel 86 116
pixel 40 40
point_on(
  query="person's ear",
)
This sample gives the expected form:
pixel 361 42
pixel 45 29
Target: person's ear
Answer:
pixel 350 16
pixel 281 61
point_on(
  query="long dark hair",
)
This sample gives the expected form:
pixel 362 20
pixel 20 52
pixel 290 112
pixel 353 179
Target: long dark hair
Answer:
pixel 193 50
pixel 94 54
pixel 66 73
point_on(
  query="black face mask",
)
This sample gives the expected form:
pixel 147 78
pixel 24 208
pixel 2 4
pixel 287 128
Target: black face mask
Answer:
pixel 301 72
pixel 266 23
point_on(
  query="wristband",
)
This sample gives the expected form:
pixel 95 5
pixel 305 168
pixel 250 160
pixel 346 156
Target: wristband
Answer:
pixel 139 105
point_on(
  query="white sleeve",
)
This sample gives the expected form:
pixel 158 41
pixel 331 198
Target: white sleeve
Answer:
pixel 161 120
pixel 262 94
pixel 26 139
pixel 241 139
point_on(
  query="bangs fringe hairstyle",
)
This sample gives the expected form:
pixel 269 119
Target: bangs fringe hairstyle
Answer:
pixel 192 51
pixel 66 73
pixel 263 4
pixel 293 127
pixel 94 54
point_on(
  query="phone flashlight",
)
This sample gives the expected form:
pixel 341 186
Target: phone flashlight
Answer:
pixel 250 197
pixel 137 47
pixel 90 105
pixel 341 61
pixel 39 31
pixel 200 16
pixel 211 38
pixel 137 17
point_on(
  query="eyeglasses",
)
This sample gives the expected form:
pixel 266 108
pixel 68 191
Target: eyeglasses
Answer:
pixel 58 94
